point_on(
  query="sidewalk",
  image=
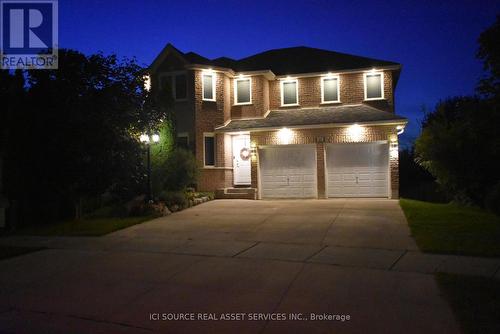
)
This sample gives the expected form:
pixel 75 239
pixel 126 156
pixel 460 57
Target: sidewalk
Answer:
pixel 412 261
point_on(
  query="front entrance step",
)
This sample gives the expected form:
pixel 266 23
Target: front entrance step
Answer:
pixel 236 193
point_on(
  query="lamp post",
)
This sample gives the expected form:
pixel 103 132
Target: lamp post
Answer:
pixel 147 140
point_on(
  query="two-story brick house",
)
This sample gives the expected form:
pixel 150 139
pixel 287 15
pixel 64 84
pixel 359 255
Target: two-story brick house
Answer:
pixel 295 122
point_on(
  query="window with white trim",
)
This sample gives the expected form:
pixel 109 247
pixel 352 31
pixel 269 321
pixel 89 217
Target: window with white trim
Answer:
pixel 208 149
pixel 330 89
pixel 374 85
pixel 243 91
pixel 289 93
pixel 208 86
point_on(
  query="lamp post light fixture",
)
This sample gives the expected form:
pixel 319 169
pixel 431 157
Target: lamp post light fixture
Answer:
pixel 148 140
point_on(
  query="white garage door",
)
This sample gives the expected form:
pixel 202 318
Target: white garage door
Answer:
pixel 357 170
pixel 288 171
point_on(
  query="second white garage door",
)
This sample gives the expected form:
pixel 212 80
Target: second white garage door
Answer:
pixel 357 170
pixel 288 171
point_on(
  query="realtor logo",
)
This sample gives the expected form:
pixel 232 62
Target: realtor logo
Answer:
pixel 28 38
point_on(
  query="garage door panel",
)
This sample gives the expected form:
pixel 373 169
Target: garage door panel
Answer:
pixel 288 171
pixel 357 170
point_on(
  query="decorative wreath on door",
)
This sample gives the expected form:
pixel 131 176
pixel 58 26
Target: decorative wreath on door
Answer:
pixel 244 154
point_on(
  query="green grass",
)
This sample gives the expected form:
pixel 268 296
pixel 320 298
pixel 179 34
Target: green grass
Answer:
pixel 452 229
pixel 87 227
pixel 474 300
pixel 11 251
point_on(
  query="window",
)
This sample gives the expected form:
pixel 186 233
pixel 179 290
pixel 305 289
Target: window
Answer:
pixel 243 91
pixel 374 88
pixel 180 87
pixel 166 83
pixel 209 149
pixel 289 93
pixel 330 89
pixel 183 140
pixel 208 86
pixel 175 84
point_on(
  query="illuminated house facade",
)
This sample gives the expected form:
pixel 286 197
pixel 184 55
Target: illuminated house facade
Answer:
pixel 287 123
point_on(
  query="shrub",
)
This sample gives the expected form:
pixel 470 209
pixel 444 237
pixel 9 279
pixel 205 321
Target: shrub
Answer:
pixel 172 198
pixel 181 170
pixel 492 200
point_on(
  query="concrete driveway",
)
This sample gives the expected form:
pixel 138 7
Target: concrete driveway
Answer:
pixel 269 260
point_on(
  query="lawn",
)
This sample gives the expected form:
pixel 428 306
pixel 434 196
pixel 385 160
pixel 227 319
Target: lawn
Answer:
pixel 11 251
pixel 86 227
pixel 452 229
pixel 474 300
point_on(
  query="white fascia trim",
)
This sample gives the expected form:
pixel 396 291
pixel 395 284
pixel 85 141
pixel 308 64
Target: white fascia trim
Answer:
pixel 282 82
pixel 236 103
pixel 381 73
pixel 323 88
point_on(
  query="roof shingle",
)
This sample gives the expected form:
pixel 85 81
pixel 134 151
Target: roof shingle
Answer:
pixel 294 60
pixel 348 114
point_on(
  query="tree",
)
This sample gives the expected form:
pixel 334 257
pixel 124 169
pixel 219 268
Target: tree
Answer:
pixel 460 141
pixel 489 53
pixel 74 134
pixel 460 146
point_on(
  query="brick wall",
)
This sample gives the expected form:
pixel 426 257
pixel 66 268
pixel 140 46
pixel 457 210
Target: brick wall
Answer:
pixel 320 171
pixel 208 115
pixel 351 92
pixel 211 179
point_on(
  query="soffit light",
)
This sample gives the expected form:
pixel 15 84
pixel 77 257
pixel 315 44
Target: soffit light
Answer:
pixel 285 136
pixel 355 132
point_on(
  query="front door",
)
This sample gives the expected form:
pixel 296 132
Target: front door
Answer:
pixel 241 160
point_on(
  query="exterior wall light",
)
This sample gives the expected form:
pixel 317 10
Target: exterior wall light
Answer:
pixel 285 136
pixel 400 129
pixel 393 146
pixel 253 151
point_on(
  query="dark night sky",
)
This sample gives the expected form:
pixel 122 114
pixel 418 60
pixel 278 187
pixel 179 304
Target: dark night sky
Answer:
pixel 435 41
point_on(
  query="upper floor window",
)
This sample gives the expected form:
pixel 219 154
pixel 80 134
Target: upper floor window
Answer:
pixel 243 91
pixel 208 86
pixel 176 84
pixel 374 86
pixel 289 93
pixel 330 89
pixel 180 89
